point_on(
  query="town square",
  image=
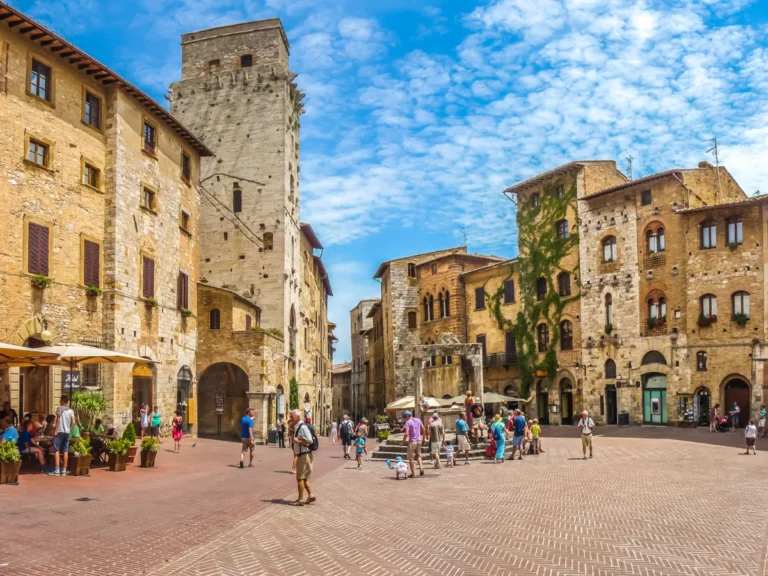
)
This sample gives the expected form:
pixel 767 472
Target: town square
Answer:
pixel 296 287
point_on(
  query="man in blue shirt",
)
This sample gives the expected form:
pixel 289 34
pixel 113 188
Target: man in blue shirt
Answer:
pixel 10 434
pixel 517 424
pixel 246 435
pixel 462 439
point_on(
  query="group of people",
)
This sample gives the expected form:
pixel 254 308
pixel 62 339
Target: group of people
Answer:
pixel 349 434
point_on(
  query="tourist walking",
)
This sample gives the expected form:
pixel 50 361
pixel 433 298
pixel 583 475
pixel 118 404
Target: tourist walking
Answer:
pixel 462 438
pixel 413 435
pixel 334 432
pixel 144 420
pixel 291 433
pixel 363 428
pixel 735 413
pixel 346 434
pixel 750 435
pixel 586 424
pixel 246 436
pixel 504 413
pixel 436 439
pixel 156 419
pixel 65 416
pixel 498 433
pixel 517 424
pixel 713 418
pixel 302 442
pixel 177 432
pixel 359 449
pixel 761 421
pixel 280 430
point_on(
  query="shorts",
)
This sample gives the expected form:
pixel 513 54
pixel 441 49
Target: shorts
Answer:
pixel 414 450
pixel 535 442
pixel 517 441
pixel 586 442
pixel 346 441
pixel 247 444
pixel 761 423
pixel 463 443
pixel 750 441
pixel 359 453
pixel 61 442
pixel 434 447
pixel 304 467
pixel 155 431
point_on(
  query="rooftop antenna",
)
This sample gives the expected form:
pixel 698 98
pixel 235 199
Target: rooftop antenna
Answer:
pixel 464 233
pixel 716 153
pixel 629 159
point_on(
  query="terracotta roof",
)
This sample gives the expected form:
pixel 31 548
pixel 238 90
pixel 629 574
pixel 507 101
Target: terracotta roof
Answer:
pixel 372 311
pixel 340 368
pixel 323 275
pixel 237 296
pixel 752 201
pixel 489 266
pixel 307 230
pixel 631 183
pixel 384 265
pixel 469 256
pixel 576 164
pixel 73 56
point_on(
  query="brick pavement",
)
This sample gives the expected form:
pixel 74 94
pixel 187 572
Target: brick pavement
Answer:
pixel 137 520
pixel 641 507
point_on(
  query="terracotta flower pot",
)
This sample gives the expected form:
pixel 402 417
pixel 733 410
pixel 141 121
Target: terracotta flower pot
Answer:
pixel 117 462
pixel 148 459
pixel 80 465
pixel 132 454
pixel 9 472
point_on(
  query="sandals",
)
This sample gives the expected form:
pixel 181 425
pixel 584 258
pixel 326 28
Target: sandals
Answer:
pixel 297 503
pixel 311 500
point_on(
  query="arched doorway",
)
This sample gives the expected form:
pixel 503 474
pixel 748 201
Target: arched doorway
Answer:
pixel 222 399
pixel 737 390
pixel 34 385
pixel 702 403
pixel 143 379
pixel 183 393
pixel 542 402
pixel 566 401
pixel 654 398
pixel 611 405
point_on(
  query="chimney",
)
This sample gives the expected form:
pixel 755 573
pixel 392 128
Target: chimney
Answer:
pixel 706 165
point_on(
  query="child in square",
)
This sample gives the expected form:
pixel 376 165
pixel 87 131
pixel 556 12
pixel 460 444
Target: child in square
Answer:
pixel 449 457
pixel 359 448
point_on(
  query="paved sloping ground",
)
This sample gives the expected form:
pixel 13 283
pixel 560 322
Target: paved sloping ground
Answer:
pixel 644 507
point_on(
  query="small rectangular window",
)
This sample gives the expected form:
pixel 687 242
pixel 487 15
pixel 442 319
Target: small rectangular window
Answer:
pixel 92 112
pixel 148 277
pixel 183 290
pixel 480 298
pixel 237 200
pixel 91 263
pixel 246 61
pixel 40 80
pixel 184 221
pixel 434 268
pixel 186 169
pixel 91 176
pixel 509 291
pixel 480 339
pixel 411 270
pixel 38 153
pixel 38 238
pixel 645 197
pixel 412 320
pixel 150 138
pixel 148 199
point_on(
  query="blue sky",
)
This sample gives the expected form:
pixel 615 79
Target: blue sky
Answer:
pixel 420 113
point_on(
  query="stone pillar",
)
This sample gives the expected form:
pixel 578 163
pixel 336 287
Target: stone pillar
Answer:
pixel 259 401
pixel 477 376
pixel 418 385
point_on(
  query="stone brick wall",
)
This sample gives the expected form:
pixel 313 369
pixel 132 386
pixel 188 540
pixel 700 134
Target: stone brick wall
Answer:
pixel 358 318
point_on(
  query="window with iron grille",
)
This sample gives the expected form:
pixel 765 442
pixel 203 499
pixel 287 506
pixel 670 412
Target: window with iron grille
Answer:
pixel 183 290
pixel 148 277
pixel 92 112
pixel 40 80
pixel 91 264
pixel 38 238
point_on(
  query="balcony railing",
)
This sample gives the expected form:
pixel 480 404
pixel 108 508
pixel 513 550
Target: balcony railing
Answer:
pixel 655 260
pixel 498 359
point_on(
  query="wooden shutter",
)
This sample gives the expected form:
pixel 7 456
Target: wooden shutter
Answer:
pixel 509 343
pixel 480 298
pixel 247 321
pixel 91 264
pixel 149 278
pixel 37 245
pixel 509 291
pixel 183 291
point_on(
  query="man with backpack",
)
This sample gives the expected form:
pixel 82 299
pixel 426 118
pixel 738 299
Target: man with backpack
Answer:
pixel 517 424
pixel 346 435
pixel 304 443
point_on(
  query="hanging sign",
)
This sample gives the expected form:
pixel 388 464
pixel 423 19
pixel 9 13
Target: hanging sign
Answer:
pixel 219 403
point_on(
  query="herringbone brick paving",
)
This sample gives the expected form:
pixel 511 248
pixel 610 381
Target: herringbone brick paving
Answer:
pixel 641 507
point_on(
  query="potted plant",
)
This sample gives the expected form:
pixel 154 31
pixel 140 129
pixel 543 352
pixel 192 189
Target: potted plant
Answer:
pixel 186 312
pixel 80 457
pixel 740 318
pixel 40 281
pixel 149 447
pixel 88 404
pixel 130 436
pixel 150 302
pixel 118 454
pixel 10 463
pixel 91 290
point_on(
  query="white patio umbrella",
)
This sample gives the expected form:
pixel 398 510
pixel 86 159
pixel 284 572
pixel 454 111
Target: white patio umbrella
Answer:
pixel 488 398
pixel 407 403
pixel 12 355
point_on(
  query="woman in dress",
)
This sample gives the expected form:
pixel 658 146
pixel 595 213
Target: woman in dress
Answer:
pixel 334 432
pixel 498 433
pixel 144 412
pixel 177 434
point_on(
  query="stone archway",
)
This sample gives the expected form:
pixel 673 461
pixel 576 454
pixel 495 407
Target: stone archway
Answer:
pixel 736 388
pixel 222 394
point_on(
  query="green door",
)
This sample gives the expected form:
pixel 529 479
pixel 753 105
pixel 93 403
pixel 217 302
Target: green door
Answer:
pixel 655 399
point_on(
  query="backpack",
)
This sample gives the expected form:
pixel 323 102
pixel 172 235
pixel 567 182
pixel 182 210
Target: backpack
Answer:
pixel 315 442
pixel 348 428
pixel 496 433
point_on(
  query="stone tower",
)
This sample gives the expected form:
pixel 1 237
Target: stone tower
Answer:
pixel 238 96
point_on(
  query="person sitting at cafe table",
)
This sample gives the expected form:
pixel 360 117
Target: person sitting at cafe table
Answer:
pixel 75 434
pixel 10 434
pixel 97 429
pixel 50 425
pixel 28 445
pixel 39 425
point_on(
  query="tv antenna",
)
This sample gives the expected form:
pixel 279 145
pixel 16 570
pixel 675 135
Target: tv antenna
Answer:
pixel 716 153
pixel 464 233
pixel 629 159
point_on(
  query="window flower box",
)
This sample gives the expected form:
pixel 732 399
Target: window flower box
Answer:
pixel 150 302
pixel 40 281
pixel 705 321
pixel 741 319
pixel 93 290
pixel 186 312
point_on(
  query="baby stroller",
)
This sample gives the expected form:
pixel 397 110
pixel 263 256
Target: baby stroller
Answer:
pixel 722 424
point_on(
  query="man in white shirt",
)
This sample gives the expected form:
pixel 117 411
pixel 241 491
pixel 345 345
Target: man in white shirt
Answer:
pixel 302 440
pixel 64 418
pixel 586 424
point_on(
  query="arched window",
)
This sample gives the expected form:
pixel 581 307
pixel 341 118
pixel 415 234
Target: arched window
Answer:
pixel 561 226
pixel 650 241
pixel 652 310
pixel 610 369
pixel 654 238
pixel 429 312
pixel 564 284
pixel 214 319
pixel 440 306
pixel 541 289
pixel 735 231
pixel 653 357
pixel 535 200
pixel 267 240
pixel 542 331
pixel 608 310
pixel 660 239
pixel 740 303
pixel 566 335
pixel 657 308
pixel 445 304
pixel 701 361
pixel 708 234
pixel 609 249
pixel 708 306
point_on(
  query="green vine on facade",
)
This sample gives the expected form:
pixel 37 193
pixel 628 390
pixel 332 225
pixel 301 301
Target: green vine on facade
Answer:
pixel 294 394
pixel 542 255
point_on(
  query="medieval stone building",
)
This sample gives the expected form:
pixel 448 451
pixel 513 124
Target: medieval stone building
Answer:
pixel 361 392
